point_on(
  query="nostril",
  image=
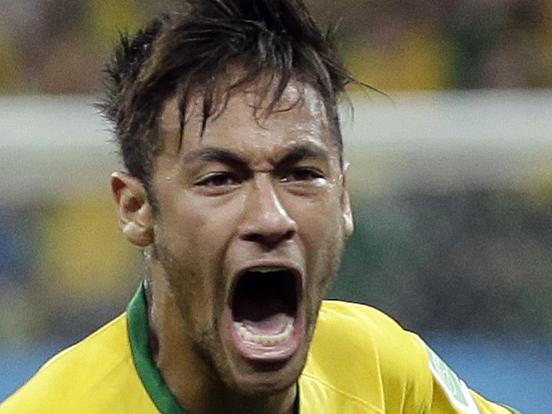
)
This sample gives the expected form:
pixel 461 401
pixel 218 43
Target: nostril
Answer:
pixel 267 238
pixel 289 235
pixel 252 237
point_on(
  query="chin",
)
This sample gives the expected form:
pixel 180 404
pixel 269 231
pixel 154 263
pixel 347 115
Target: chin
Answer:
pixel 266 381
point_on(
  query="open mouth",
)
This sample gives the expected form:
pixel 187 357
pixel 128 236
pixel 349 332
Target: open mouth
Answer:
pixel 264 305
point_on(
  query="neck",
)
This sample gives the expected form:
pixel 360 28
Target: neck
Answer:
pixel 194 383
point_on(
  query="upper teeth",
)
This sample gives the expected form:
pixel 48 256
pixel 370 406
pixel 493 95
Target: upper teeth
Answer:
pixel 266 269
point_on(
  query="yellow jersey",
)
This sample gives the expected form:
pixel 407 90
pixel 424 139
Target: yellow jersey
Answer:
pixel 360 362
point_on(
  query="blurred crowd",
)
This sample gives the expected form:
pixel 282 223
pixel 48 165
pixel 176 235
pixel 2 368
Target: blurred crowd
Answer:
pixel 473 261
pixel 59 46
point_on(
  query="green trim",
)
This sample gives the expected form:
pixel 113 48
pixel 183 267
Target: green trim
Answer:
pixel 513 410
pixel 138 333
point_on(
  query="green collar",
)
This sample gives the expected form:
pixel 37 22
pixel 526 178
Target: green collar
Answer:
pixel 138 333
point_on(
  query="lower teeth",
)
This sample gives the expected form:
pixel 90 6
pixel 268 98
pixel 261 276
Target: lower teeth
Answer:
pixel 248 336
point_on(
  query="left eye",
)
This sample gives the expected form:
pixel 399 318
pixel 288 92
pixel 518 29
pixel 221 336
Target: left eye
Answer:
pixel 304 175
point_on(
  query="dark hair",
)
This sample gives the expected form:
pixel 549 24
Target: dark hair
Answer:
pixel 189 51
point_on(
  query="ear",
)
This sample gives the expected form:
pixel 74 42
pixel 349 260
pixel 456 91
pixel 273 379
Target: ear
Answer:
pixel 347 214
pixel 133 209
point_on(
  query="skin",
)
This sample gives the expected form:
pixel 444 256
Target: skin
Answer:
pixel 247 191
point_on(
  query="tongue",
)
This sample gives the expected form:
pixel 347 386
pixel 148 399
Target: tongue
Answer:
pixel 271 325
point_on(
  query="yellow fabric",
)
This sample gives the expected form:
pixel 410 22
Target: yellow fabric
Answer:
pixel 95 376
pixel 360 362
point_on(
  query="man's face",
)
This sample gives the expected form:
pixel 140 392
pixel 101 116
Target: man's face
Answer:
pixel 249 231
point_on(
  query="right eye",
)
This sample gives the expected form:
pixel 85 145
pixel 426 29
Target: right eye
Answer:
pixel 218 179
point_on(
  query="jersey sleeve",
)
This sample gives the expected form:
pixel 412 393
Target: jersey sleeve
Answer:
pixel 451 395
pixel 364 353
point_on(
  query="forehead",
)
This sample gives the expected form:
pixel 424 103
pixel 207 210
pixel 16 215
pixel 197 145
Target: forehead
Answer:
pixel 299 117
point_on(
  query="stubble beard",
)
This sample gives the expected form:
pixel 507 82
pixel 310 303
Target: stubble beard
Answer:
pixel 206 339
pixel 182 286
pixel 322 285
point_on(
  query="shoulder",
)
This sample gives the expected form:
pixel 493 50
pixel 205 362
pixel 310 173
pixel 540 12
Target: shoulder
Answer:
pixel 356 315
pixel 368 332
pixel 78 376
pixel 363 357
pixel 364 353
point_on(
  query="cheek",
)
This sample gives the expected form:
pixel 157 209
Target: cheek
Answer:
pixel 196 232
pixel 319 219
pixel 320 228
pixel 196 225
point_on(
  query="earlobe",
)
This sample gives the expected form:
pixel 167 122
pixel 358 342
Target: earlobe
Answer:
pixel 348 222
pixel 347 214
pixel 133 209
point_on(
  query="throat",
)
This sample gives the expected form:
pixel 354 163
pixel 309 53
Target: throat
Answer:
pixel 284 402
pixel 264 300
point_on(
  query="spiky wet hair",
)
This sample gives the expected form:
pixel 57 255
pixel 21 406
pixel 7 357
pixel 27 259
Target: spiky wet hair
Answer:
pixel 189 51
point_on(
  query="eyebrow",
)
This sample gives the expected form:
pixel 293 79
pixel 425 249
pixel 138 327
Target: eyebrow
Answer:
pixel 294 154
pixel 211 154
pixel 302 151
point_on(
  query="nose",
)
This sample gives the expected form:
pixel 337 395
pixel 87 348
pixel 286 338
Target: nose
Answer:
pixel 266 221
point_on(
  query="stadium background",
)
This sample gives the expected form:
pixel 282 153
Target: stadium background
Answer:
pixel 451 177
